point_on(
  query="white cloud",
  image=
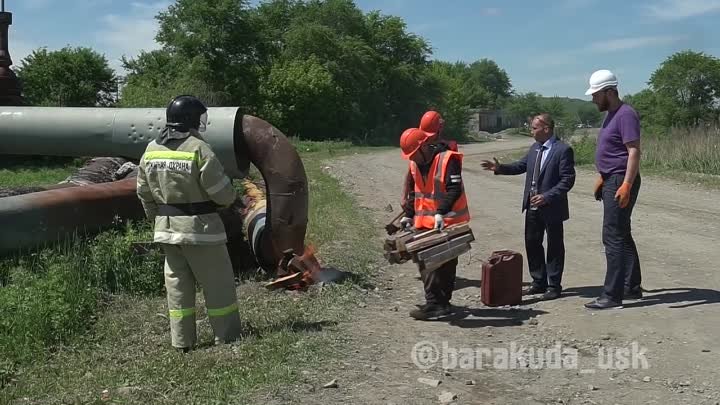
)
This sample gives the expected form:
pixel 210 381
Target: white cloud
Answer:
pixel 127 35
pixel 679 9
pixel 621 44
pixel 490 11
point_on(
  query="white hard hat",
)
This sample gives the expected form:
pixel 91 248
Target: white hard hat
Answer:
pixel 601 79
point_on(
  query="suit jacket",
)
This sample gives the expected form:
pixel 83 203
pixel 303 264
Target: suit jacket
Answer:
pixel 557 178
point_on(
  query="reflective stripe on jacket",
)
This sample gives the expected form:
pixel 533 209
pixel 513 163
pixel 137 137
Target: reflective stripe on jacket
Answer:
pixel 182 172
pixel 429 192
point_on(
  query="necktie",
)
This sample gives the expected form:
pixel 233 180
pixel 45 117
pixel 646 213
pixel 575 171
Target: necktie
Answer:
pixel 538 160
pixel 536 174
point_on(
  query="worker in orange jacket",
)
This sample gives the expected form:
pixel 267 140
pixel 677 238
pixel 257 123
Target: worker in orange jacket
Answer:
pixel 437 200
pixel 431 123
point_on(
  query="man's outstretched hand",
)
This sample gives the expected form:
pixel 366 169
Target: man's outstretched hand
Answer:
pixel 488 165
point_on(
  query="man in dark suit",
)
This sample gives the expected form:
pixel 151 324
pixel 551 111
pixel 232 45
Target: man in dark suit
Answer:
pixel 550 168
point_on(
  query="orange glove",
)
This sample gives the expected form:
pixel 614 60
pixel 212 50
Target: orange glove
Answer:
pixel 623 194
pixel 598 188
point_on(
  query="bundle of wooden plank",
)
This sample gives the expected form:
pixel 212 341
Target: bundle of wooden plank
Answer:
pixel 428 248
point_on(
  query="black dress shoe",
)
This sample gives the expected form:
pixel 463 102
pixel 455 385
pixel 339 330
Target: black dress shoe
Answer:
pixel 603 303
pixel 534 290
pixel 551 295
pixel 633 293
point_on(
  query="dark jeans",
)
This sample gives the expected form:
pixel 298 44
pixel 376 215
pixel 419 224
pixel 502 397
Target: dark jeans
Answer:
pixel 623 262
pixel 544 274
pixel 440 283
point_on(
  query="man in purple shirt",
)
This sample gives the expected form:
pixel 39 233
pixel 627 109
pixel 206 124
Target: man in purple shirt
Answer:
pixel 617 159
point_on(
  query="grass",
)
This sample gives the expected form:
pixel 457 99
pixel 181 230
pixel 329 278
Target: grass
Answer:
pixel 687 155
pixel 86 322
pixel 684 154
pixel 16 171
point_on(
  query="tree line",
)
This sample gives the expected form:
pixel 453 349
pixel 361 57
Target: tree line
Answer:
pixel 317 69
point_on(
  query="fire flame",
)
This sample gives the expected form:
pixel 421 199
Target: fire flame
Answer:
pixel 309 266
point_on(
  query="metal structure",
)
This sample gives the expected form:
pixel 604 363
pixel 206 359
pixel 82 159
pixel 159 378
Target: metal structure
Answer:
pixel 237 139
pixel 10 90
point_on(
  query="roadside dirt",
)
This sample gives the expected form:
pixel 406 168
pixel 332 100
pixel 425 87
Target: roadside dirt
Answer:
pixel 674 328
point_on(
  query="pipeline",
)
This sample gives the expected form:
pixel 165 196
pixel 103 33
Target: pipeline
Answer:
pixel 237 140
pixel 119 132
pixel 34 219
pixel 284 175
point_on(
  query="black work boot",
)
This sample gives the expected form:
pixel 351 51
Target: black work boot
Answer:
pixel 633 293
pixel 430 311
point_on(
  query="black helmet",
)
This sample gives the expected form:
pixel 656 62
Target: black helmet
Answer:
pixel 184 112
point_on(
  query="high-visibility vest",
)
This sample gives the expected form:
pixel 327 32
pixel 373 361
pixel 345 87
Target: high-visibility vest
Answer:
pixel 429 194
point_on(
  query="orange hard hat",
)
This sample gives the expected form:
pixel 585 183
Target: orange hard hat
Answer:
pixel 411 140
pixel 431 122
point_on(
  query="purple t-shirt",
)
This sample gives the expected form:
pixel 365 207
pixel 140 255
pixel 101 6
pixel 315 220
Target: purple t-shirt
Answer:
pixel 620 127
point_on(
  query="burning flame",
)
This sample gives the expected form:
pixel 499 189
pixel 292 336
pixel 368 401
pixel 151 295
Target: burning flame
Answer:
pixel 309 266
pixel 305 270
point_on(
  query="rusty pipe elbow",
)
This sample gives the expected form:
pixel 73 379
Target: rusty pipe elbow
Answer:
pixel 287 189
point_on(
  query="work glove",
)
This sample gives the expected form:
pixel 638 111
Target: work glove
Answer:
pixel 598 188
pixel 406 222
pixel 623 194
pixel 439 222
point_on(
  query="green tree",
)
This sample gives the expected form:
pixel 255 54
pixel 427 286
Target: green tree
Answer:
pixel 686 87
pixel 302 94
pixel 373 71
pixel 209 48
pixel 454 99
pixel 219 38
pixel 589 114
pixel 489 84
pixel 556 108
pixel 69 77
pixel 525 106
pixel 156 77
pixel 657 113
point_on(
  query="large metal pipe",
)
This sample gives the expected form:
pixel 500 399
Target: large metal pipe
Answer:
pixel 123 132
pixel 34 219
pixel 284 174
pixel 237 140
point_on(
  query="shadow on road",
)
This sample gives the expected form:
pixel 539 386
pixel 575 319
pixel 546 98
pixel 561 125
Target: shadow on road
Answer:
pixel 464 317
pixel 677 297
pixel 462 282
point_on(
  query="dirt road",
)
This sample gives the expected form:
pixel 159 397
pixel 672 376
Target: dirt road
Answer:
pixel 670 338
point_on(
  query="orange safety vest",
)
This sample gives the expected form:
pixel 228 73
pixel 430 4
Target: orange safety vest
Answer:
pixel 428 195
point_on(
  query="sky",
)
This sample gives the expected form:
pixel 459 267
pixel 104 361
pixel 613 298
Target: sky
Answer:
pixel 549 47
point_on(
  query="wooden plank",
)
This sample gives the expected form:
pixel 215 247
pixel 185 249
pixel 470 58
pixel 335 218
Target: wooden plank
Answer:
pixel 427 242
pixel 285 281
pixel 446 255
pixel 463 239
pixel 435 236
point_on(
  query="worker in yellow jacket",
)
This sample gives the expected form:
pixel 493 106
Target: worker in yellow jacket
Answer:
pixel 181 184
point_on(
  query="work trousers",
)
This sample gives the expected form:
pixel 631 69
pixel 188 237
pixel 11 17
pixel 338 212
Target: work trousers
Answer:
pixel 210 266
pixel 623 262
pixel 545 274
pixel 440 283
